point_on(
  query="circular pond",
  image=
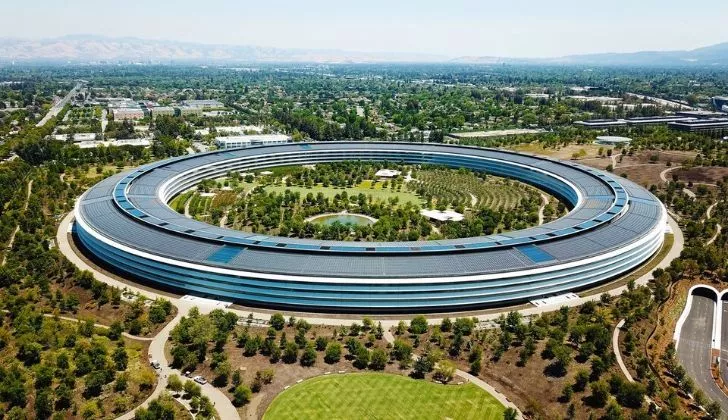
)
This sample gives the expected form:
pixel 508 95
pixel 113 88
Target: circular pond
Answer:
pixel 343 218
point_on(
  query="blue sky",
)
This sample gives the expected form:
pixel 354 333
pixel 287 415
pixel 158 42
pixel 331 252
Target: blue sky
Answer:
pixel 515 28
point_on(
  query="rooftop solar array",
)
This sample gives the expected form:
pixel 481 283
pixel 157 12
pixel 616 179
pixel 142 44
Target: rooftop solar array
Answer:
pixel 606 213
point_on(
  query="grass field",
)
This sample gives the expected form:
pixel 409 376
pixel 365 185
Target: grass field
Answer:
pixel 380 396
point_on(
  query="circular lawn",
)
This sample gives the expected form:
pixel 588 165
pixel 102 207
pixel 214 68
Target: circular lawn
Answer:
pixel 377 396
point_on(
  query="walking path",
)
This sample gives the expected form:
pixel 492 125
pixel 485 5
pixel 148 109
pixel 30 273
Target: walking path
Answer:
pixel 389 338
pixel 718 227
pixel 187 207
pixel 620 362
pixel 663 174
pixel 11 241
pixel 544 203
pixel 223 405
pixel 97 325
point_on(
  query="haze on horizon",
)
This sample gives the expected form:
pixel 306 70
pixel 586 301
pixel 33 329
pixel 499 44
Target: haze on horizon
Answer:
pixel 519 28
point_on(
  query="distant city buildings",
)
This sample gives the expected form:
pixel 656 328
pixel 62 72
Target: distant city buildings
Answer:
pixel 720 103
pixel 121 114
pixel 682 120
pixel 234 142
pixel 159 111
pixel 203 103
pixel 713 126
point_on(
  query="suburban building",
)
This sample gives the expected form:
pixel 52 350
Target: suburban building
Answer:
pixel 162 110
pixel 720 103
pixel 234 142
pixel 203 103
pixel 613 140
pixel 121 114
pixel 714 126
pixel 602 123
pixel 189 110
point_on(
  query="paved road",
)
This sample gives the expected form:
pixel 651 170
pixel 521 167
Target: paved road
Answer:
pixel 59 106
pixel 664 102
pixel 694 348
pixel 223 405
pixel 724 343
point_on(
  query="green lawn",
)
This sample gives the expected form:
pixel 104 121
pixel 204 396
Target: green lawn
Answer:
pixel 382 396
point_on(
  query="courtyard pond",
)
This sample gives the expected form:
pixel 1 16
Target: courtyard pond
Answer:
pixel 343 218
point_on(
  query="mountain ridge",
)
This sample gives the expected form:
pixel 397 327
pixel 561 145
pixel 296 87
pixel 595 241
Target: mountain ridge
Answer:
pixel 84 48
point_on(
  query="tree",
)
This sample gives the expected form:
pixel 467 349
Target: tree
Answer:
pixel 362 357
pixel 445 371
pixel 418 325
pixel 599 393
pixel 192 389
pixel 446 325
pixel 241 395
pixel 333 352
pixel 121 359
pixel 402 352
pixel 290 354
pixel 308 358
pixel 175 384
pixel 43 404
pixel 277 321
pixel 510 413
pixel 379 359
pixel 94 382
pixel 713 409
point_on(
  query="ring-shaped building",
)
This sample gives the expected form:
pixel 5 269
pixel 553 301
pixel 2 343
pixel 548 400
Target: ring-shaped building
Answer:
pixel 613 226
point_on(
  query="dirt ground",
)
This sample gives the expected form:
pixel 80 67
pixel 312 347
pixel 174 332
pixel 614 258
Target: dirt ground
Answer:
pixel 563 152
pixel 108 313
pixel 706 174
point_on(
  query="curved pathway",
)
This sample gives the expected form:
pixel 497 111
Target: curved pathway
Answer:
pixel 718 227
pixel 544 203
pixel 663 174
pixel 618 356
pixel 223 405
pixel 11 241
pixel 389 338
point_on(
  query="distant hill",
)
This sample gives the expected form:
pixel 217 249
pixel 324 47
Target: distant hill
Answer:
pixel 92 48
pixel 707 56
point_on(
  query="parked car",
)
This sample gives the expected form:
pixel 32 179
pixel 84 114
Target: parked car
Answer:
pixel 199 379
pixel 155 364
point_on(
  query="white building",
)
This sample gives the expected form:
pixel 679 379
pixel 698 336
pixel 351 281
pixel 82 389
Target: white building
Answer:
pixel 234 142
pixel 442 216
pixel 387 173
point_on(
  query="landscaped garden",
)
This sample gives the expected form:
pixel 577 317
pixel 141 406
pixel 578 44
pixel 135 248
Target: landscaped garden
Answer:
pixel 286 201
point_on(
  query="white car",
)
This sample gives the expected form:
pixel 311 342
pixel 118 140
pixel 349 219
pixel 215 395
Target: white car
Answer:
pixel 155 364
pixel 199 379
